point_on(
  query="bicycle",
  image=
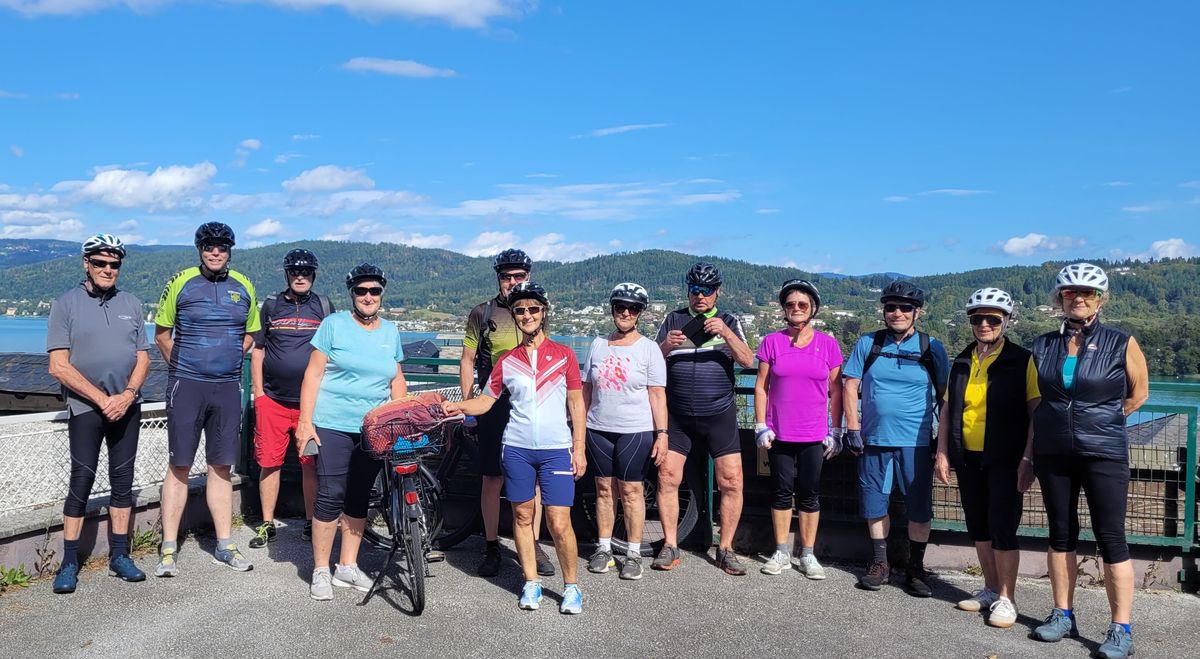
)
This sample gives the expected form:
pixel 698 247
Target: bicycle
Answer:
pixel 409 501
pixel 691 493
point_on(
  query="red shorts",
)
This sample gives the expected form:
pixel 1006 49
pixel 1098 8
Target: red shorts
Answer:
pixel 274 423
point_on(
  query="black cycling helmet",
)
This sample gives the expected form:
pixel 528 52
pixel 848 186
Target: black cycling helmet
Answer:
pixel 804 286
pixel 512 258
pixel 703 274
pixel 214 233
pixel 300 258
pixel 630 293
pixel 363 272
pixel 903 290
pixel 528 290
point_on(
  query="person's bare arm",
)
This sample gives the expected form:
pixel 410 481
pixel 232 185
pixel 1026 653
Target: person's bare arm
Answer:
pixel 257 356
pixel 762 387
pixel 742 354
pixel 118 404
pixel 466 373
pixel 658 410
pixel 850 402
pixel 835 397
pixel 477 406
pixel 309 387
pixel 1138 376
pixel 164 340
pixel 64 371
pixel 578 413
pixel 247 343
pixel 1025 473
pixel 399 384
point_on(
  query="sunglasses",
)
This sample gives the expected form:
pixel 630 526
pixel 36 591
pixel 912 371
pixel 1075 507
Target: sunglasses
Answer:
pixel 521 311
pixel 101 264
pixel 513 276
pixel 903 308
pixel 217 247
pixel 360 291
pixel 992 321
pixel 1086 294
pixel 301 272
pixel 695 289
pixel 799 305
pixel 618 308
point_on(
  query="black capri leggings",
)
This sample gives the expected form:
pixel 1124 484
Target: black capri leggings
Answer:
pixel 345 475
pixel 1106 483
pixel 990 501
pixel 87 432
pixel 620 455
pixel 796 468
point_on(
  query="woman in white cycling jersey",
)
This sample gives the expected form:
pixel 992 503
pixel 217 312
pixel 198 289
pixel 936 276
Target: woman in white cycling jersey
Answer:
pixel 624 384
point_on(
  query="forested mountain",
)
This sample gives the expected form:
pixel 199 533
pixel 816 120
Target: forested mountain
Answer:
pixel 1157 301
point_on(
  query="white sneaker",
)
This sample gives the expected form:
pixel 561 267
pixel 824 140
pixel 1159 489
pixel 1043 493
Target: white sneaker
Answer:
pixel 320 589
pixel 982 599
pixel 811 568
pixel 1003 613
pixel 776 564
pixel 349 576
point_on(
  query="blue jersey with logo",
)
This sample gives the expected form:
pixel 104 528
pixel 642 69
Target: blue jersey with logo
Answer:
pixel 210 318
pixel 897 394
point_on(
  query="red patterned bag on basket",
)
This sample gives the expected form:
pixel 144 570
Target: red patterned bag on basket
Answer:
pixel 387 428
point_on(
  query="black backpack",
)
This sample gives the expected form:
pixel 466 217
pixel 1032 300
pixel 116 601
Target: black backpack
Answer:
pixel 273 299
pixel 925 359
pixel 483 353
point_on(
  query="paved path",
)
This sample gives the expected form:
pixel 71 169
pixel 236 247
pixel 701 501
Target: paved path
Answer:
pixel 694 611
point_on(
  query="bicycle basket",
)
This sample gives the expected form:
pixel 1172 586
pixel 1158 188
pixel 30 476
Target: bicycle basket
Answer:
pixel 410 427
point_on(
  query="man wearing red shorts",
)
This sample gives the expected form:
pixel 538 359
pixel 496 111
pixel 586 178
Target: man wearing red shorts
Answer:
pixel 281 351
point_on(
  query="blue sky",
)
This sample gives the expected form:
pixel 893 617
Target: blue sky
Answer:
pixel 850 137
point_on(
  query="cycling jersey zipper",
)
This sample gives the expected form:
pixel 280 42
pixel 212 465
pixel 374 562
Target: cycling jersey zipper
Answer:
pixel 532 355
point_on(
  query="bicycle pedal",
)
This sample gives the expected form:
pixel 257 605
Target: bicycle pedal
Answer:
pixel 435 556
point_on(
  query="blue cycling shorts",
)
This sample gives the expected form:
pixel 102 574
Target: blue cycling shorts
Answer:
pixel 526 469
pixel 882 467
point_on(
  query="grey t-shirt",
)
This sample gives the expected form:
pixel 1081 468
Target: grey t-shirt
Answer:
pixel 104 335
pixel 619 376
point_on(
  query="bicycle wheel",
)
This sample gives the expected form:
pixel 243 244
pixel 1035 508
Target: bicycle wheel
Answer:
pixel 380 523
pixel 456 472
pixel 414 553
pixel 690 493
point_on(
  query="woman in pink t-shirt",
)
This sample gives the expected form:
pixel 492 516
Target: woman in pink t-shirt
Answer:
pixel 796 394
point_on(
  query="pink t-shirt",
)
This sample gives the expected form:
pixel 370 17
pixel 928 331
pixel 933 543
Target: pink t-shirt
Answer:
pixel 798 396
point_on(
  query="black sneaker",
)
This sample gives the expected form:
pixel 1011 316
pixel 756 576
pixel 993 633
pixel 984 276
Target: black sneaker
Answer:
pixel 916 582
pixel 728 561
pixel 490 566
pixel 263 535
pixel 306 534
pixel 878 574
pixel 544 567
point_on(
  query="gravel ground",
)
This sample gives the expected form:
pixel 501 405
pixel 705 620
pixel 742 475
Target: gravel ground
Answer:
pixel 694 611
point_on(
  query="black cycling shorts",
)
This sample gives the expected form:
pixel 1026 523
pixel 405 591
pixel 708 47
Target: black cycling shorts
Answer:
pixel 212 407
pixel 1106 483
pixel 991 503
pixel 490 433
pixel 623 455
pixel 719 432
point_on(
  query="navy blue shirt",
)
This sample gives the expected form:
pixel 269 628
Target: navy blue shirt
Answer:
pixel 288 326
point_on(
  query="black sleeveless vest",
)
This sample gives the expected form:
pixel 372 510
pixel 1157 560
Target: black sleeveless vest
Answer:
pixel 1088 420
pixel 1007 424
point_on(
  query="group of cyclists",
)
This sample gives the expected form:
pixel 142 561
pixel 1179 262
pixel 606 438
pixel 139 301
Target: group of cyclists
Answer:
pixel 1004 416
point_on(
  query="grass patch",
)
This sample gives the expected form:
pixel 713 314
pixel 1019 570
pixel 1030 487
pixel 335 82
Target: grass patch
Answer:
pixel 974 570
pixel 14 577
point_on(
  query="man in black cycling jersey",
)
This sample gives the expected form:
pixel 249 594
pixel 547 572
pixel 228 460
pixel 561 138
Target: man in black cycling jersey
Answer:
pixel 702 346
pixel 98 351
pixel 203 327
pixel 491 333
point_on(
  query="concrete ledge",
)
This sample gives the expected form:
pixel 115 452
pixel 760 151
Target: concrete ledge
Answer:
pixel 34 535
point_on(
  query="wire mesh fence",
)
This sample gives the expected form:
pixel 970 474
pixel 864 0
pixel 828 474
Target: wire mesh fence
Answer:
pixel 36 453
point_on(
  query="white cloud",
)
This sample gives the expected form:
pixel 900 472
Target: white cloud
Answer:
pixel 541 175
pixel 1116 184
pixel 397 67
pixel 707 198
pixel 614 243
pixel 29 202
pixel 1190 184
pixel 268 227
pixel 554 247
pixel 953 192
pixel 17 151
pixel 251 144
pixel 128 225
pixel 164 188
pixel 459 13
pixel 490 243
pixel 617 130
pixel 241 203
pixel 358 200
pixel 895 199
pixel 283 158
pixel 824 266
pixel 9 94
pixel 1038 242
pixel 1146 208
pixel 304 137
pixel 768 211
pixel 67 96
pixel 326 178
pixel 1172 248
pixel 33 224
pixel 702 181
pixel 371 231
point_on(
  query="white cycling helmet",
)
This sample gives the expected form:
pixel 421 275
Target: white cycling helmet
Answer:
pixel 990 298
pixel 1082 275
pixel 630 293
pixel 103 242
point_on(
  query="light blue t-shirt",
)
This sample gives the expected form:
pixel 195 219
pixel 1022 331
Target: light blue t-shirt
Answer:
pixel 359 371
pixel 1069 371
pixel 897 394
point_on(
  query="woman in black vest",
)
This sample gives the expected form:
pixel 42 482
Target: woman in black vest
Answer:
pixel 984 432
pixel 1091 376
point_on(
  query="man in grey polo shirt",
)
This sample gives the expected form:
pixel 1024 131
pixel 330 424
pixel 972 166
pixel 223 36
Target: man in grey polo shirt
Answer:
pixel 98 351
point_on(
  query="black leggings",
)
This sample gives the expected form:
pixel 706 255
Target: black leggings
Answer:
pixel 1106 483
pixel 796 468
pixel 990 501
pixel 87 432
pixel 345 475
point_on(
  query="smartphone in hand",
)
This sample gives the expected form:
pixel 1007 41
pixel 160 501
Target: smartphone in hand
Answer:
pixel 311 448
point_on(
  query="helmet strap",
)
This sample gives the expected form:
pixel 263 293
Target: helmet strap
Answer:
pixel 363 317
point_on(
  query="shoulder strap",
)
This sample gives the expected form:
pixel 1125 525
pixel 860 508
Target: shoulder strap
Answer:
pixel 930 364
pixel 483 356
pixel 268 307
pixel 326 305
pixel 876 350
